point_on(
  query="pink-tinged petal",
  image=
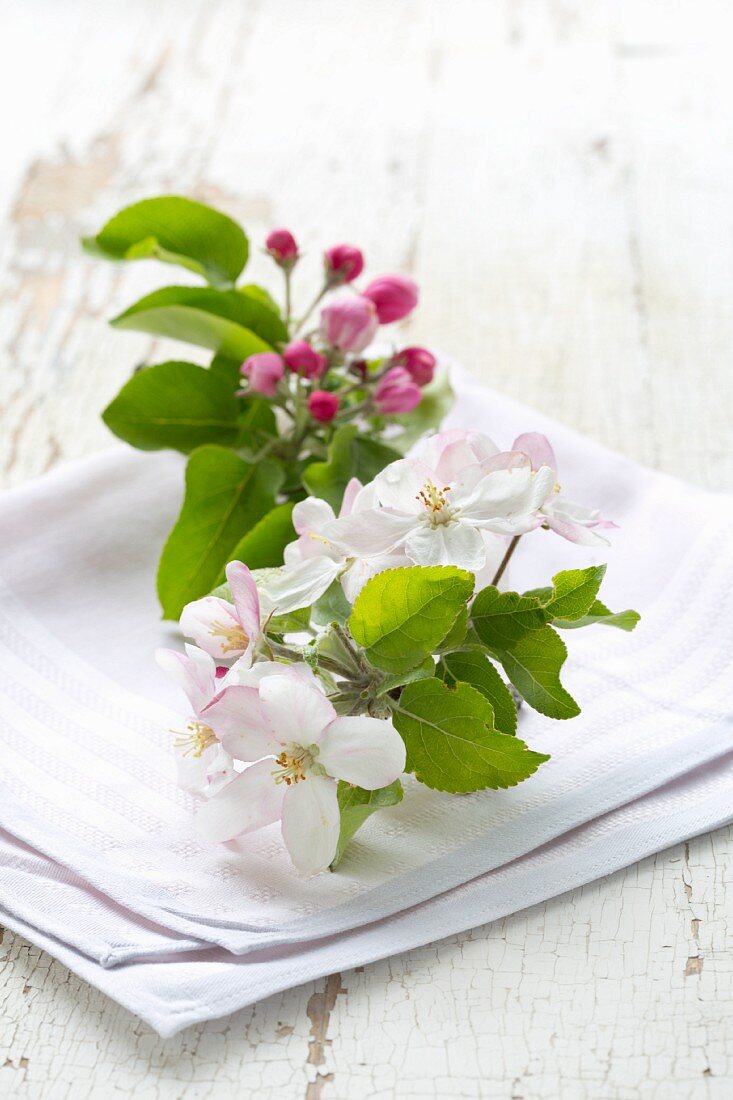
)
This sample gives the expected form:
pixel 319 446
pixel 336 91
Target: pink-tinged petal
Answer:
pixel 239 720
pixel 249 802
pixel 506 460
pixel 398 485
pixel 311 822
pixel 575 532
pixel 246 601
pixel 457 544
pixel 297 711
pixel 508 494
pixel 351 492
pixel 371 533
pixel 366 751
pixel 311 515
pixel 214 626
pixel 194 672
pixel 539 449
pixel 364 500
pixel 458 457
pixel 437 450
pixel 206 774
pixel 300 584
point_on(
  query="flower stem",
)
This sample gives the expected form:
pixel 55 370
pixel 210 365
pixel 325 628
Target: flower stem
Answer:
pixel 506 559
pixel 287 272
pixel 326 286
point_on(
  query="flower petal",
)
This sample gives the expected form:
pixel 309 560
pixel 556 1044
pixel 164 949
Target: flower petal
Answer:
pixel 239 720
pixel 575 532
pixel 249 802
pixel 311 823
pixel 297 710
pixel 539 449
pixel 457 544
pixel 194 671
pixel 300 585
pixel 363 750
pixel 372 532
pixel 311 515
pixel 351 492
pixel 200 620
pixel 206 774
pixel 246 601
pixel 512 494
pixel 398 484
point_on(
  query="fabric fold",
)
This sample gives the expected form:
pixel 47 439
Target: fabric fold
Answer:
pixel 88 778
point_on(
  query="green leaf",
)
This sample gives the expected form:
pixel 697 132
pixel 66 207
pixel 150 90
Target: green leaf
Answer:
pixel 501 618
pixel 423 672
pixel 262 295
pixel 332 606
pixel 225 497
pixel 457 632
pixel 231 324
pixel 173 404
pixel 402 615
pixel 349 455
pixel 477 670
pixel 263 545
pixel 599 613
pixel 175 230
pixel 257 423
pixel 533 665
pixel 437 401
pixel 451 741
pixel 573 592
pixel 228 369
pixel 356 805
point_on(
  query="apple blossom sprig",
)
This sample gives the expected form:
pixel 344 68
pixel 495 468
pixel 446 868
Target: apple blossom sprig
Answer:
pixel 291 396
pixel 377 648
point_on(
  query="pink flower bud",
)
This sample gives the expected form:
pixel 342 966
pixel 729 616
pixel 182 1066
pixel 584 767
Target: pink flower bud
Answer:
pixel 323 405
pixel 418 362
pixel 282 247
pixel 396 392
pixel 349 324
pixel 394 296
pixel 301 358
pixel 264 371
pixel 343 263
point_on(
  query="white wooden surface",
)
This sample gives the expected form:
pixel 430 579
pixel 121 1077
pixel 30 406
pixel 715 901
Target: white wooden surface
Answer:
pixel 557 174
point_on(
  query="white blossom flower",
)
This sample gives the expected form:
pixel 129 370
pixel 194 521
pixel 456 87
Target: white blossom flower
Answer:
pixel 318 556
pixel 440 504
pixel 572 521
pixel 299 749
pixel 204 766
pixel 223 629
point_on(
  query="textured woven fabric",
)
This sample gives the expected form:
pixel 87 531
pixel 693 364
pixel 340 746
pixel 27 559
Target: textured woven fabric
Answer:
pixel 88 780
pixel 173 991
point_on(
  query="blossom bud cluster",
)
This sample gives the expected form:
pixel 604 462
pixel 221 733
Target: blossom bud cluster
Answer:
pixel 325 359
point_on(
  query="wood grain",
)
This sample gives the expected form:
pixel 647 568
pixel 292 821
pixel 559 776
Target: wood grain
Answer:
pixel 557 176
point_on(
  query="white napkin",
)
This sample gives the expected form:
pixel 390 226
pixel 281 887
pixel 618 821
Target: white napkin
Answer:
pixel 175 990
pixel 88 777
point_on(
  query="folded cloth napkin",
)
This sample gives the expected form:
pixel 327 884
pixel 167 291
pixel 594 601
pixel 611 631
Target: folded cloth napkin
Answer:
pixel 172 990
pixel 88 778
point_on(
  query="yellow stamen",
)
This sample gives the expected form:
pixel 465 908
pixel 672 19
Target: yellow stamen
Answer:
pixel 434 499
pixel 233 634
pixel 195 742
pixel 291 767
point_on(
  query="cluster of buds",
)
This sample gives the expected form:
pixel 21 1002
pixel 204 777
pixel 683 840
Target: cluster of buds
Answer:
pixel 333 381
